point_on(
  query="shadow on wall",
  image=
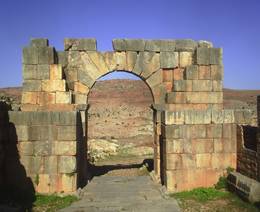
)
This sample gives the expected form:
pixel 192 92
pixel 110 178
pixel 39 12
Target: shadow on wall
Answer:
pixel 82 167
pixel 16 189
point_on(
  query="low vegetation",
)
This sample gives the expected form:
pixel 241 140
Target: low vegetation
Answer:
pixel 49 203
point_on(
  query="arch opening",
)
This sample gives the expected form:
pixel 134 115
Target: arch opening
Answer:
pixel 120 125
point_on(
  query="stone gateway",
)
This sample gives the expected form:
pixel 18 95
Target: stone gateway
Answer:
pixel 195 138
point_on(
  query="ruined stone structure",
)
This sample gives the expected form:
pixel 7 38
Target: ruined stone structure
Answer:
pixel 195 139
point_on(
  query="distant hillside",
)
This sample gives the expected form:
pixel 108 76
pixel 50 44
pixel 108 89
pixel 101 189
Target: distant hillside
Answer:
pixel 134 91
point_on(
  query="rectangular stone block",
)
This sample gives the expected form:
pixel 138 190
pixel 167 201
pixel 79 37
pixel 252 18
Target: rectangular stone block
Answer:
pixel 19 117
pixel 228 116
pixel 203 56
pixel 42 148
pixel 46 98
pixel 51 165
pixel 167 45
pixel 178 74
pixel 218 145
pixel 202 85
pixel 32 85
pixel 42 133
pixel 174 146
pixel 53 85
pixel 62 57
pixel 191 72
pixel 217 85
pixel 197 131
pixel 67 133
pixel 119 44
pixel 188 161
pixel 83 44
pixel 55 72
pixel 45 55
pixel 186 59
pixel 202 146
pixel 204 72
pixel 173 162
pixel 63 97
pixel 30 55
pixel 214 131
pixel 203 160
pixel 167 75
pixel 148 62
pixel 155 79
pixel 169 59
pixel 215 56
pixel 216 72
pixel 227 130
pixel 43 71
pixel 67 118
pixel 30 72
pixel 64 148
pixel 22 132
pixel 182 85
pixel 218 116
pixel 39 42
pixel 185 45
pixel 221 160
pixel 26 148
pixel 68 183
pixel 67 164
pixel 134 44
pixel 131 58
pixel 29 97
pixel 80 98
pixel 153 45
pixel 176 118
pixel 80 88
pixel 198 117
pixel 176 97
pixel 205 97
pixel 85 78
pixel 172 131
pixel 44 183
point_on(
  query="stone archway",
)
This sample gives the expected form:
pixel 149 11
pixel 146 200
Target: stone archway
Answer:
pixel 197 137
pixel 117 120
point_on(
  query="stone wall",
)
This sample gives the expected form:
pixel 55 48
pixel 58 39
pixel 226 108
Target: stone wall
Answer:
pixel 195 139
pixel 199 146
pixel 44 86
pixel 246 158
pixel 48 147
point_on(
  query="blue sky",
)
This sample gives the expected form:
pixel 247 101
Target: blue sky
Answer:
pixel 231 24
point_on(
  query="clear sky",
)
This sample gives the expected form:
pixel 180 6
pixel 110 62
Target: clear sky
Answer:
pixel 231 24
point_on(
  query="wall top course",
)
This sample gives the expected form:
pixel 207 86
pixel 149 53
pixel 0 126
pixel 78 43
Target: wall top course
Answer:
pixel 159 45
pixel 153 45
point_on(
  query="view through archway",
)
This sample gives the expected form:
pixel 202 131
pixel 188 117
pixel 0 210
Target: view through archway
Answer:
pixel 120 126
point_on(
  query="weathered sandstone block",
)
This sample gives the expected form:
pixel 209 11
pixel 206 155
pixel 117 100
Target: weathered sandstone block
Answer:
pixel 63 97
pixel 53 85
pixel 55 72
pixel 169 59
